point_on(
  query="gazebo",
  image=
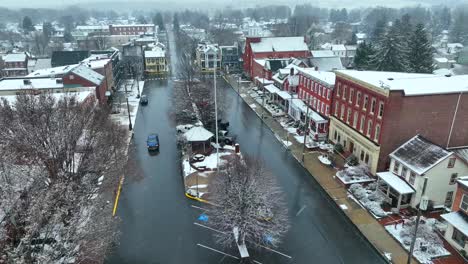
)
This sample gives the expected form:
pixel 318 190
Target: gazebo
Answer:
pixel 199 139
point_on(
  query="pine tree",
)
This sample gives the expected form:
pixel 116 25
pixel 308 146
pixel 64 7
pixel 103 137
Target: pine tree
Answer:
pixel 158 20
pixel 390 55
pixel 27 24
pixel 420 51
pixel 379 30
pixel 176 22
pixel 364 54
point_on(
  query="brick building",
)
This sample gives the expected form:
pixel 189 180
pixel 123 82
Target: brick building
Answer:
pixel 272 48
pixel 457 229
pixel 132 30
pixel 15 64
pixel 375 112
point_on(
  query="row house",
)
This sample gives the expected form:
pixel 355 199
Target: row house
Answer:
pixel 272 48
pixel 15 64
pixel 133 30
pixel 230 58
pixel 315 88
pixel 457 229
pixel 375 112
pixel 208 57
pixel 155 61
pixel 410 164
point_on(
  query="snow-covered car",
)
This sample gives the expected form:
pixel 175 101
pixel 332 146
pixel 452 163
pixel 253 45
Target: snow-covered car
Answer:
pixel 183 128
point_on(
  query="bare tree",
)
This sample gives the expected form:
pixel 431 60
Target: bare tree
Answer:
pixel 248 199
pixel 101 41
pixel 202 95
pixel 77 153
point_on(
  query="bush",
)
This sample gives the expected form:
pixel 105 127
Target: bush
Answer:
pixel 358 191
pixel 353 160
pixel 339 148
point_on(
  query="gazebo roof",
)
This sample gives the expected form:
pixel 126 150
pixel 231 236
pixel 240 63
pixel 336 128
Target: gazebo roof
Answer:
pixel 198 134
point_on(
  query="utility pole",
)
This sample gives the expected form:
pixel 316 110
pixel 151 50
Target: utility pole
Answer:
pixel 129 118
pixel 263 96
pixel 216 113
pixel 305 130
pixel 423 206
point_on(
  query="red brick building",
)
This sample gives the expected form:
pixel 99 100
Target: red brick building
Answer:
pixel 272 48
pixel 86 77
pixel 132 30
pixel 457 229
pixel 15 64
pixel 375 112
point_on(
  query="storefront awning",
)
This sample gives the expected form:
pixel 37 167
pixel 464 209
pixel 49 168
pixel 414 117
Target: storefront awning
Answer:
pixel 298 103
pixel 272 89
pixel 458 221
pixel 285 95
pixel 398 184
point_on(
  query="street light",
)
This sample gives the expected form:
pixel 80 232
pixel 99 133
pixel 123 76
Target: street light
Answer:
pixel 305 129
pixel 422 206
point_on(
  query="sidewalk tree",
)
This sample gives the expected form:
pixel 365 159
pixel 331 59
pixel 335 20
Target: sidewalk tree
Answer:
pixel 68 147
pixel 158 20
pixel 420 51
pixel 247 197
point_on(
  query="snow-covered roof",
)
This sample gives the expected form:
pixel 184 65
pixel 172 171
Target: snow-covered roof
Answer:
pixel 196 134
pixel 463 181
pixel 325 77
pixel 397 183
pixel 457 220
pixel 50 72
pixel 81 95
pixel 419 154
pixel 14 57
pixel 88 74
pixel 33 83
pixel 155 53
pixel 462 153
pixel 92 27
pixel 272 88
pixel 455 45
pixel 279 44
pixel 263 80
pixel 322 53
pixel 134 25
pixel 412 84
pixel 327 63
pixel 338 47
pixel 361 35
pixel 441 60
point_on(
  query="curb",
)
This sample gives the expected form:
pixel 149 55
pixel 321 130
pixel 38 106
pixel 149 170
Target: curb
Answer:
pixel 330 199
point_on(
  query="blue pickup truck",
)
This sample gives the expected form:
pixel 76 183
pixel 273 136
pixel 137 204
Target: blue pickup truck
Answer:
pixel 152 142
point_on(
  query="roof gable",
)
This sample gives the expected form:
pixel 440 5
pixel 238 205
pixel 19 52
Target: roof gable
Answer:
pixel 419 154
pixel 88 74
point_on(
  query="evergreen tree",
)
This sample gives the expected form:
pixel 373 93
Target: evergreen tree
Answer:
pixel 47 30
pixel 67 37
pixel 158 20
pixel 460 28
pixel 420 51
pixel 379 30
pixel 390 55
pixel 27 24
pixel 364 53
pixel 176 22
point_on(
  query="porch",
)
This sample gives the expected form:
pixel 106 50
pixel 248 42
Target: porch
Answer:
pixel 397 191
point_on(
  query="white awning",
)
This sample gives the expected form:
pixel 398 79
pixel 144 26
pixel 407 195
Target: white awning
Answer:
pixel 285 95
pixel 457 220
pixel 298 103
pixel 272 89
pixel 395 182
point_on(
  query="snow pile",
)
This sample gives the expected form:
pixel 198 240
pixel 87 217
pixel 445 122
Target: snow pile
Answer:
pixel 370 198
pixel 210 161
pixel 186 168
pixel 428 244
pixel 354 174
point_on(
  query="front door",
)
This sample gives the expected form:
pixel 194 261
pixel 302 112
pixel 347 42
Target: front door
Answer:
pixel 351 146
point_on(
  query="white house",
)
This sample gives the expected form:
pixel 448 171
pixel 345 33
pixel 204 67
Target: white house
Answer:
pixel 410 163
pixel 208 55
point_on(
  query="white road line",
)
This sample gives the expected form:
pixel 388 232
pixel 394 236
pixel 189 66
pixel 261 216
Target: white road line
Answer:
pixel 300 210
pixel 257 262
pixel 277 252
pixel 234 257
pixel 201 208
pixel 207 227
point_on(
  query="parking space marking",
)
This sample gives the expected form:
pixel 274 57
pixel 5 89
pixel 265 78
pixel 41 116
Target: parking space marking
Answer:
pixel 201 208
pixel 215 250
pixel 277 252
pixel 300 210
pixel 207 227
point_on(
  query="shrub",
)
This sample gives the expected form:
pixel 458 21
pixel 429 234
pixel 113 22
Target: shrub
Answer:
pixel 339 148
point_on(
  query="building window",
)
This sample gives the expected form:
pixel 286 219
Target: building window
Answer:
pixel 404 171
pixel 337 105
pixel 342 112
pixel 448 199
pixel 372 109
pixel 361 125
pixel 348 117
pixel 412 178
pixel 351 94
pixel 328 94
pixel 366 160
pixel 377 133
pixel 451 162
pixel 464 202
pixel 459 237
pixel 327 111
pixel 315 86
pixel 335 135
pixel 366 99
pixel 320 90
pixel 396 167
pixel 453 178
pixel 338 90
pixel 355 119
pixel 381 108
pixel 344 92
pixel 369 128
pixel 315 103
pixel 362 155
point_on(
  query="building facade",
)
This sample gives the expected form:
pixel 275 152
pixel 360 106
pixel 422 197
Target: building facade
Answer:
pixel 229 58
pixel 15 64
pixel 208 56
pixel 155 61
pixel 133 30
pixel 457 229
pixel 375 112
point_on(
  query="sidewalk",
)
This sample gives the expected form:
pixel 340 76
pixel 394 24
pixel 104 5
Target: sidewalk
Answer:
pixel 368 225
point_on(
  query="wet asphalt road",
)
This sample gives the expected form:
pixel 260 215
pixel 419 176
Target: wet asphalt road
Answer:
pixel 158 220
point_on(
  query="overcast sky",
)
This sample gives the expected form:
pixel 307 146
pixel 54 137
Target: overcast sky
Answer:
pixel 322 3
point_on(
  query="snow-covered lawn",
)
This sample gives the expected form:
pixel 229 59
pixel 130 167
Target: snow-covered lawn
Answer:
pixel 428 244
pixel 354 174
pixel 210 161
pixel 369 197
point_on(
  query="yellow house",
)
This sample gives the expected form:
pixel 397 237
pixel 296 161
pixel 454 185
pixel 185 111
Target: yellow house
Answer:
pixel 155 61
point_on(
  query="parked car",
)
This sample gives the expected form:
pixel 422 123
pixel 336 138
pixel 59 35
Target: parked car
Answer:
pixel 144 100
pixel 152 142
